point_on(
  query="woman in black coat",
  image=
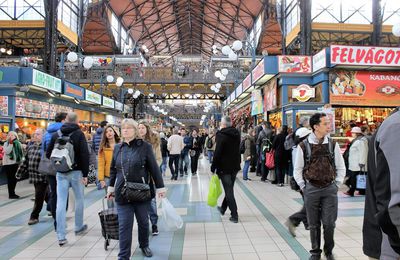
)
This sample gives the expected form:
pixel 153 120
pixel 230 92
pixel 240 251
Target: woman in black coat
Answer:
pixel 195 151
pixel 133 161
pixel 281 156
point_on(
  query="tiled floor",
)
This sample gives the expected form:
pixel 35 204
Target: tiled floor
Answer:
pixel 260 234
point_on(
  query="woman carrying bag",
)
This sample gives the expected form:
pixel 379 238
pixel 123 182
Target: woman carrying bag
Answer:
pixel 132 166
pixel 109 139
pixel 195 151
pixel 13 156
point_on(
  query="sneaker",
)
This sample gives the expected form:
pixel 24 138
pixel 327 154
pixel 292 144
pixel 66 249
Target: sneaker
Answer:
pixel 155 230
pixel 280 185
pixel 291 227
pixel 181 175
pixel 62 242
pixel 33 221
pixel 234 220
pixel 81 231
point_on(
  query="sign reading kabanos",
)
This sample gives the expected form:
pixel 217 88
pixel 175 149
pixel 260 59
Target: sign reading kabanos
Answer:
pixel 370 56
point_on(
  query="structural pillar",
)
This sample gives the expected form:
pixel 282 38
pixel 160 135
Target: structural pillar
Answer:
pixel 376 22
pixel 51 36
pixel 283 26
pixel 305 27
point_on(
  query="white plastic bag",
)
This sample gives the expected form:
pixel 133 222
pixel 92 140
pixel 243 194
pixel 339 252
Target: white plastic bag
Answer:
pixel 170 217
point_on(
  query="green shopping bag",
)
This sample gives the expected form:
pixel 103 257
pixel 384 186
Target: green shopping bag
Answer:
pixel 214 191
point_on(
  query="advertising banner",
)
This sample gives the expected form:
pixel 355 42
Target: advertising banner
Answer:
pixel 258 71
pixel 73 90
pixel 364 88
pixel 31 108
pixel 54 109
pixel 319 60
pixel 294 64
pixel 270 97
pixel 108 102
pixel 46 81
pixel 256 102
pixel 3 105
pixel 365 55
pixel 239 90
pixel 93 97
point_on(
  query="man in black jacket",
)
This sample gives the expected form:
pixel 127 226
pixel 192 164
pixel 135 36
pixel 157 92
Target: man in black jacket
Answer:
pixel 265 135
pixel 76 178
pixel 226 163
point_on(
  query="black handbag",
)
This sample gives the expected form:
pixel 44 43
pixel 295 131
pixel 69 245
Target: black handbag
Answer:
pixel 133 191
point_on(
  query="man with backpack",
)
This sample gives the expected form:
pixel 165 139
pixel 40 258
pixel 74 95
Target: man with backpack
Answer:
pixel 264 144
pixel 319 170
pixel 68 151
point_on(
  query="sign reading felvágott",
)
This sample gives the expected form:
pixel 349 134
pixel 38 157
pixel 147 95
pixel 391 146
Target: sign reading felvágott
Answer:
pixel 119 106
pixel 93 97
pixel 369 56
pixel 46 81
pixel 108 102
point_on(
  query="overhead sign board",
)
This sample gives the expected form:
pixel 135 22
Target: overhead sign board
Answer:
pixel 119 106
pixel 93 97
pixel 365 55
pixel 108 102
pixel 73 90
pixel 319 60
pixel 247 82
pixel 294 64
pixel 258 71
pixel 46 81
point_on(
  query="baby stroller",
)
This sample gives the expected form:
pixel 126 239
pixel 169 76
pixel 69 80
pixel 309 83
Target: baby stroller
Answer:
pixel 109 224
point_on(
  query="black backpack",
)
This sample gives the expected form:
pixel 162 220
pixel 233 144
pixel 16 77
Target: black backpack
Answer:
pixel 242 148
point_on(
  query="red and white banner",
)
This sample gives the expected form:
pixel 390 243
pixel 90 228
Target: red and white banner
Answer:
pixel 258 71
pixel 369 56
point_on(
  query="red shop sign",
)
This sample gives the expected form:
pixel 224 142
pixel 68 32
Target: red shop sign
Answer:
pixel 258 71
pixel 370 56
pixel 246 82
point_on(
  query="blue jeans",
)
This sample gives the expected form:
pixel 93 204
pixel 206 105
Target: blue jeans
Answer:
pixel 163 166
pixel 64 181
pixel 153 212
pixel 184 160
pixel 246 169
pixel 126 214
pixel 210 154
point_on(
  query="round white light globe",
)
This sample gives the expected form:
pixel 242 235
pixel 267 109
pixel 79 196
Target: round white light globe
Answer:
pixel 224 72
pixel 232 56
pixel 137 93
pixel 396 30
pixel 110 78
pixel 89 61
pixel 237 45
pixel 217 74
pixel 222 78
pixel 214 47
pixel 130 91
pixel 87 65
pixel 72 56
pixel 218 85
pixel 226 50
pixel 120 81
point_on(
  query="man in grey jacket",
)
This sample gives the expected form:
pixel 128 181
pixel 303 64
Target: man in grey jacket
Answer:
pixel 387 186
pixel 319 169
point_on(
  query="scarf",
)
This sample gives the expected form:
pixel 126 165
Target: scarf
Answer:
pixel 17 151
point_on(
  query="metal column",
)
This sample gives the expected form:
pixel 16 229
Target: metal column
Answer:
pixel 376 22
pixel 305 27
pixel 51 36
